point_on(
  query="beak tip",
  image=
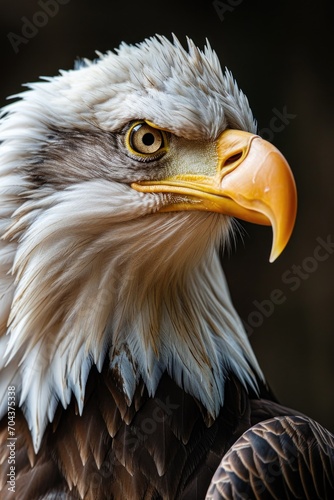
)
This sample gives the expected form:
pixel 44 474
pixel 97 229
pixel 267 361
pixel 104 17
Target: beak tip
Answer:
pixel 280 238
pixel 273 256
pixel 276 250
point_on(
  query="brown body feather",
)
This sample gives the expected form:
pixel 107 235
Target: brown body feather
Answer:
pixel 165 447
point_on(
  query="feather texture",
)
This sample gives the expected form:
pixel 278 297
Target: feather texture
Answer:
pixel 284 457
pixel 156 447
pixel 150 285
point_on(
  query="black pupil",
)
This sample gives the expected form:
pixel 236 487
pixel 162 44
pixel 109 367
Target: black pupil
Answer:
pixel 148 139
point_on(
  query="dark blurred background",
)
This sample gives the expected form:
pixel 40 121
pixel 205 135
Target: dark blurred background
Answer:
pixel 281 54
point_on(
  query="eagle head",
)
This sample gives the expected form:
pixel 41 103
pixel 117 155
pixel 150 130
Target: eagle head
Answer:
pixel 119 181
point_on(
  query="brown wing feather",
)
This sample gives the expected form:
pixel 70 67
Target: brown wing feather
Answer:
pixel 166 447
pixel 162 447
pixel 284 457
pixel 35 475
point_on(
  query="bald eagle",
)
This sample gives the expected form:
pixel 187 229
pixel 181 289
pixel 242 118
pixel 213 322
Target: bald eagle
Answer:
pixel 126 372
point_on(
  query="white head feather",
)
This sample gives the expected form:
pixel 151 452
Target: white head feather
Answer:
pixel 88 269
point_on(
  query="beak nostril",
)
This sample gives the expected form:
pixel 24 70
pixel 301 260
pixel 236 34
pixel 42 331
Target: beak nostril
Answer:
pixel 232 159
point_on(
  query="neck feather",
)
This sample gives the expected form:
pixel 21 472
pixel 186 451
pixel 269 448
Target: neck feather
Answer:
pixel 147 292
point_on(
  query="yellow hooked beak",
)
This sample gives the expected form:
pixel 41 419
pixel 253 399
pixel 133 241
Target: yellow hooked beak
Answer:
pixel 252 181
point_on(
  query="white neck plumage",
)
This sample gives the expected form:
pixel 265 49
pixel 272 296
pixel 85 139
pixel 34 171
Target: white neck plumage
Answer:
pixel 96 280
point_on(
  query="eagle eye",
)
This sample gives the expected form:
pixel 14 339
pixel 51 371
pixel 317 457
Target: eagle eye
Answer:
pixel 144 140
